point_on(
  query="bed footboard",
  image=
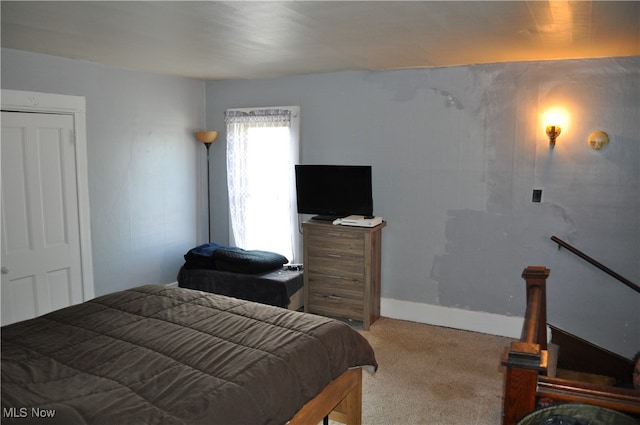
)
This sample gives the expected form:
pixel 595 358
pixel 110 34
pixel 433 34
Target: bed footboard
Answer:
pixel 341 400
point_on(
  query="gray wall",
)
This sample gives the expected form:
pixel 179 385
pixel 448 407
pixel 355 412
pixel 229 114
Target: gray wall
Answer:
pixel 143 162
pixel 456 153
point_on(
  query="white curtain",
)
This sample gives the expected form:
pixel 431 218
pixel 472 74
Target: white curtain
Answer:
pixel 262 149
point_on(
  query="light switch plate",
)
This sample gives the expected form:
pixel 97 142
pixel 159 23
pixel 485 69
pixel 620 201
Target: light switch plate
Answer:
pixel 537 195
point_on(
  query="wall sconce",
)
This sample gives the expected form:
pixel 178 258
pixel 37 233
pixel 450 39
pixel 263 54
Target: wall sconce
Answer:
pixel 207 137
pixel 598 140
pixel 555 119
pixel 553 131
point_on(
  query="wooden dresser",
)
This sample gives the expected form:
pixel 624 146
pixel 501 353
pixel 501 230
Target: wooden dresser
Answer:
pixel 342 271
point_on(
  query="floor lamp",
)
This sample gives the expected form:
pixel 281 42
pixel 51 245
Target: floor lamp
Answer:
pixel 207 137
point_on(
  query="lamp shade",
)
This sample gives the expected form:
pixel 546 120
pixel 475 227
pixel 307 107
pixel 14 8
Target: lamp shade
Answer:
pixel 207 137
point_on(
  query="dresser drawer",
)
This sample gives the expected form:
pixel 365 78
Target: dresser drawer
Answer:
pixel 335 242
pixel 336 298
pixel 341 266
pixel 334 251
pixel 334 286
pixel 344 308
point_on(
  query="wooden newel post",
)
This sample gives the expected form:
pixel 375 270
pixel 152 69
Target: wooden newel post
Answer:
pixel 527 358
pixel 536 280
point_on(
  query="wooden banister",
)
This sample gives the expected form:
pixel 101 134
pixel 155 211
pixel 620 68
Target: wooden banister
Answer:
pixel 527 357
pixel 624 400
pixel 593 262
pixel 526 364
pixel 530 351
pixel 534 329
pixel 532 317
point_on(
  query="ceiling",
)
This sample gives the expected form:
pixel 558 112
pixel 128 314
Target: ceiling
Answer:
pixel 242 39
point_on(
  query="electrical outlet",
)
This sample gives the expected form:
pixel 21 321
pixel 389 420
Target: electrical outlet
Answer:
pixel 537 195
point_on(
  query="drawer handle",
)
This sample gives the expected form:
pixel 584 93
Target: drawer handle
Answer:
pixel 335 234
pixel 334 276
pixel 334 255
pixel 334 297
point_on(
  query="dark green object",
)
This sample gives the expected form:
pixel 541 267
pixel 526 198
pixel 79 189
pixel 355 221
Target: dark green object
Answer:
pixel 576 414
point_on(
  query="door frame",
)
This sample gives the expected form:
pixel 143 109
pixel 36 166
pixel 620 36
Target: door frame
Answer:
pixel 26 101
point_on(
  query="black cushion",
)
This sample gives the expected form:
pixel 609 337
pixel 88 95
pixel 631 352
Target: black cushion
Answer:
pixel 240 261
pixel 233 259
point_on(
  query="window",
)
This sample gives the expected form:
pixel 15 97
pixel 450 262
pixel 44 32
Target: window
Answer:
pixel 262 149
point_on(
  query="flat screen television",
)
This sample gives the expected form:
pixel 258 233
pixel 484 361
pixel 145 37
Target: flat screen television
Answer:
pixel 334 191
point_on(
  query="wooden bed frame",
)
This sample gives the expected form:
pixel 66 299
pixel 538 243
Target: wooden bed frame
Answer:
pixel 526 365
pixel 341 400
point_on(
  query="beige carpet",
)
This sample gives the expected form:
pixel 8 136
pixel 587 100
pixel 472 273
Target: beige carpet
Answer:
pixel 432 376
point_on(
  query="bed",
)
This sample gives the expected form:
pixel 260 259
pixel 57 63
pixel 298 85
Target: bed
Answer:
pixel 166 355
pixel 280 287
pixel 252 275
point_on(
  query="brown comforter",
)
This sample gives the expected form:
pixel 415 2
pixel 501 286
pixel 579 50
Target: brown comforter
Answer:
pixel 162 355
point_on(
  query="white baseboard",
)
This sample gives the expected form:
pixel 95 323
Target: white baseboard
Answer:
pixel 456 318
pixel 475 321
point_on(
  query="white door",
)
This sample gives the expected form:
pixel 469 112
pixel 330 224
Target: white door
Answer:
pixel 41 267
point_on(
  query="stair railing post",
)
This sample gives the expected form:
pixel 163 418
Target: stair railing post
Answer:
pixel 527 358
pixel 536 277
